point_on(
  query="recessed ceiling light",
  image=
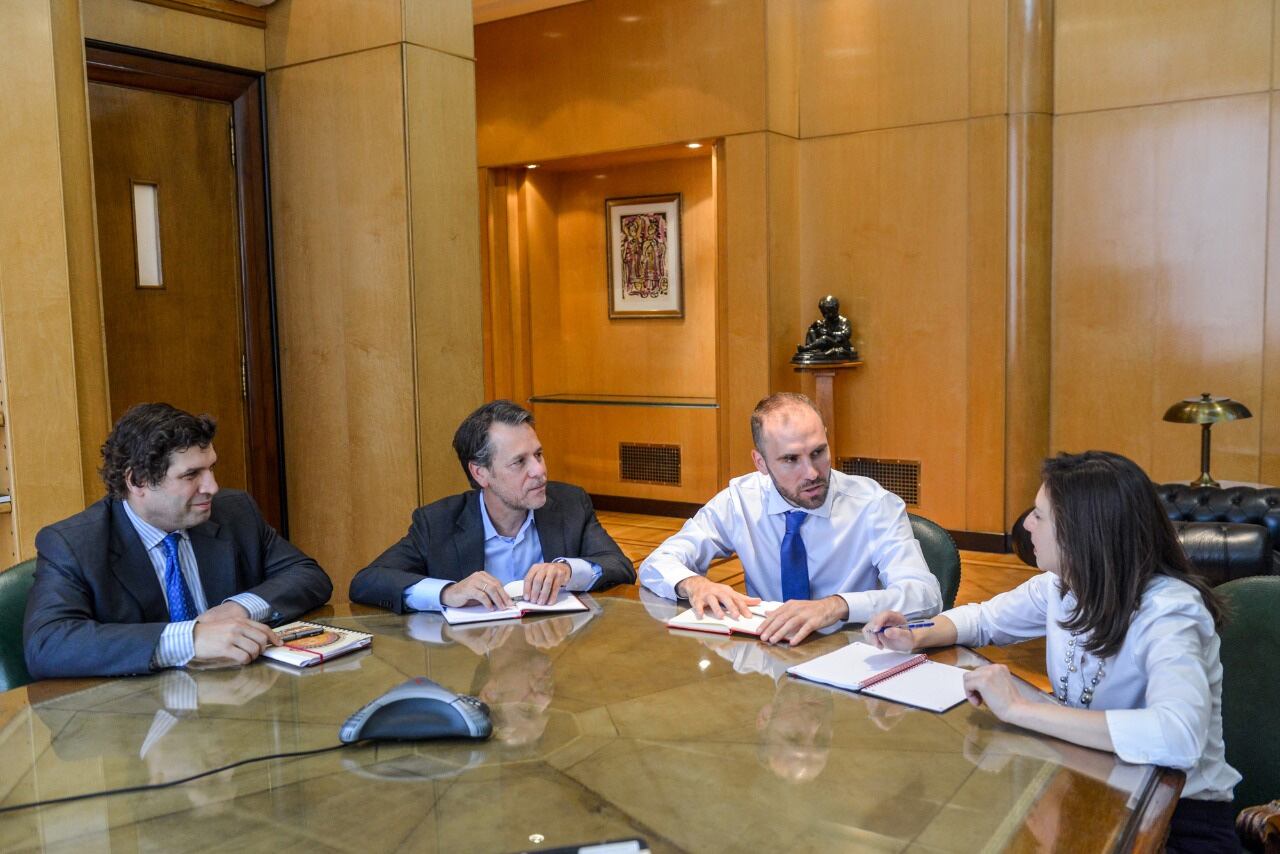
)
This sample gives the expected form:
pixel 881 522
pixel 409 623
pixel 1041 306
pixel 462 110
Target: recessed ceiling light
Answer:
pixel 532 166
pixel 693 145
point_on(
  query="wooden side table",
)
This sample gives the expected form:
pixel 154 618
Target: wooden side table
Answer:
pixel 824 379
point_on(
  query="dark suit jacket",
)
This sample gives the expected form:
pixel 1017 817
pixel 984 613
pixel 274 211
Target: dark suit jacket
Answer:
pixel 97 609
pixel 446 540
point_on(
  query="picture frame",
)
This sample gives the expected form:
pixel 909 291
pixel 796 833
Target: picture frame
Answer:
pixel 645 263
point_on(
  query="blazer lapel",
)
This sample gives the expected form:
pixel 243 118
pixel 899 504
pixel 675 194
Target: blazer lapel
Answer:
pixel 216 558
pixel 132 567
pixel 468 542
pixel 550 524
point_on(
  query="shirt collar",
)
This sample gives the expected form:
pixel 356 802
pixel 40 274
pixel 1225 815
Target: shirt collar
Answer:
pixel 490 531
pixel 150 535
pixel 775 504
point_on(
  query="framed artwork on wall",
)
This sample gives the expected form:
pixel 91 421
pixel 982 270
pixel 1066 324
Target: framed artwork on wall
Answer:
pixel 642 241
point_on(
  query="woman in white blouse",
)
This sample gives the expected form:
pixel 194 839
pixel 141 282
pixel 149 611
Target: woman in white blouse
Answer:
pixel 1131 638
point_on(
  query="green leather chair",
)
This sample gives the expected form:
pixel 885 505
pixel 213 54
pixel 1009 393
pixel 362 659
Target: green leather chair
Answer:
pixel 941 554
pixel 15 583
pixel 1250 686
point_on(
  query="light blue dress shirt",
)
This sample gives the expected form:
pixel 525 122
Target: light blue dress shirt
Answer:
pixel 506 559
pixel 177 644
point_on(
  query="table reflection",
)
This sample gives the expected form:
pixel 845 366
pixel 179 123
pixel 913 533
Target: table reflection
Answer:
pixel 607 725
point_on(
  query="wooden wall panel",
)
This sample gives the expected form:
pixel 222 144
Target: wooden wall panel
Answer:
pixel 300 30
pixel 1027 306
pixel 40 405
pixel 612 76
pixel 787 319
pixel 445 243
pixel 988 248
pixel 989 61
pixel 82 242
pixel 576 347
pixel 445 27
pixel 581 445
pixel 746 359
pixel 884 224
pixel 1112 54
pixel 882 63
pixel 1269 465
pixel 1159 254
pixel 174 32
pixel 781 64
pixel 346 318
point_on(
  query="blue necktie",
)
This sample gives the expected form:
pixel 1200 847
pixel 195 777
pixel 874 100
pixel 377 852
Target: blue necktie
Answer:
pixel 795 560
pixel 175 587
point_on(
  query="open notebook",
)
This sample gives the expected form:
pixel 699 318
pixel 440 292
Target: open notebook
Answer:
pixel 316 649
pixel 724 625
pixel 903 677
pixel 565 602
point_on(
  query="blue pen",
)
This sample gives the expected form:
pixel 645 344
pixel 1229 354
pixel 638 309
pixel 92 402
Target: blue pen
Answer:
pixel 907 626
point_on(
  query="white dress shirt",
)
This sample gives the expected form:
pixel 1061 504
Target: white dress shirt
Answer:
pixel 859 545
pixel 177 644
pixel 1162 692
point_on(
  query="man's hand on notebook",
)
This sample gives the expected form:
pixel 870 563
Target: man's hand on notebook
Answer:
pixel 797 619
pixel 543 581
pixel 720 600
pixel 235 641
pixel 479 588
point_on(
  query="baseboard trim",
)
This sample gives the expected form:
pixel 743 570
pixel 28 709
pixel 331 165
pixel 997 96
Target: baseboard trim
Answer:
pixel 649 506
pixel 981 541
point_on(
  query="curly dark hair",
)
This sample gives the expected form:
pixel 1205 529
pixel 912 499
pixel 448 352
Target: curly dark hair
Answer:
pixel 143 440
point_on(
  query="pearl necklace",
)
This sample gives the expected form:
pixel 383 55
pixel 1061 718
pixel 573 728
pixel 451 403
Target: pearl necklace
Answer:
pixel 1086 693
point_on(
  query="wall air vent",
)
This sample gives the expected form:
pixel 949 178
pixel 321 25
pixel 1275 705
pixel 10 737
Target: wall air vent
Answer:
pixel 901 477
pixel 643 463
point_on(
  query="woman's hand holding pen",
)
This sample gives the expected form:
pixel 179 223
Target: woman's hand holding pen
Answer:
pixel 891 630
pixel 888 630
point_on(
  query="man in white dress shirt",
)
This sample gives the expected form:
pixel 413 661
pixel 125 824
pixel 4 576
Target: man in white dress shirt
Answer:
pixel 833 547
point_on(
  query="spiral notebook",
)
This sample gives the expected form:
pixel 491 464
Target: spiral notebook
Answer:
pixel 901 677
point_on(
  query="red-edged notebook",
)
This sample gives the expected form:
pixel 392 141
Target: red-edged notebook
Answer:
pixel 903 677
pixel 690 621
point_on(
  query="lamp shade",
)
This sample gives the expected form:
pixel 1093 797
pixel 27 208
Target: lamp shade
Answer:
pixel 1206 409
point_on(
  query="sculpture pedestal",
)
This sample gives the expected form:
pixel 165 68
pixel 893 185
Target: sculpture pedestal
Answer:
pixel 823 393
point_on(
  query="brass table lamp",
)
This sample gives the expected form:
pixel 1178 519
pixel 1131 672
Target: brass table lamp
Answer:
pixel 1205 410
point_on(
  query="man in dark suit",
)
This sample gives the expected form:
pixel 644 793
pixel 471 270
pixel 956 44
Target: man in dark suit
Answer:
pixel 166 570
pixel 515 524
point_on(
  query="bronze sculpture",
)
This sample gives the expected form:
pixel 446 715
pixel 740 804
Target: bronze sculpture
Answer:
pixel 829 338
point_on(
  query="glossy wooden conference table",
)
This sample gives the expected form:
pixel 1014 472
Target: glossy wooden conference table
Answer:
pixel 606 726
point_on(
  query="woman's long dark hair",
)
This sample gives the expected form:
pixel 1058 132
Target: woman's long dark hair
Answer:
pixel 1113 536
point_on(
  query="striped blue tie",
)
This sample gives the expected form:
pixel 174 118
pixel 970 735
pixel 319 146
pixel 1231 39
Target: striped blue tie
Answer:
pixel 175 587
pixel 795 560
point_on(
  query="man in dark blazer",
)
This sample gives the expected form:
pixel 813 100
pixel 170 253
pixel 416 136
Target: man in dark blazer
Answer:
pixel 166 570
pixel 515 524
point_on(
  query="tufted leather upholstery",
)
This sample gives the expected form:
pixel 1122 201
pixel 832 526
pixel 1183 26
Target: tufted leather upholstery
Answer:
pixel 1220 551
pixel 1239 504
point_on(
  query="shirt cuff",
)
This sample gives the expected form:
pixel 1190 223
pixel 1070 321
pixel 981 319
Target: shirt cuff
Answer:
pixel 583 574
pixel 259 609
pixel 425 595
pixel 665 582
pixel 177 645
pixel 965 619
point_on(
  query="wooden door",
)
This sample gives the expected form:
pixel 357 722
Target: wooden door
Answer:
pixel 176 337
pixel 205 339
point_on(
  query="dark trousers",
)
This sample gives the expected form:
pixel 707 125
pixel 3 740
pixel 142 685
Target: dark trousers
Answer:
pixel 1203 827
